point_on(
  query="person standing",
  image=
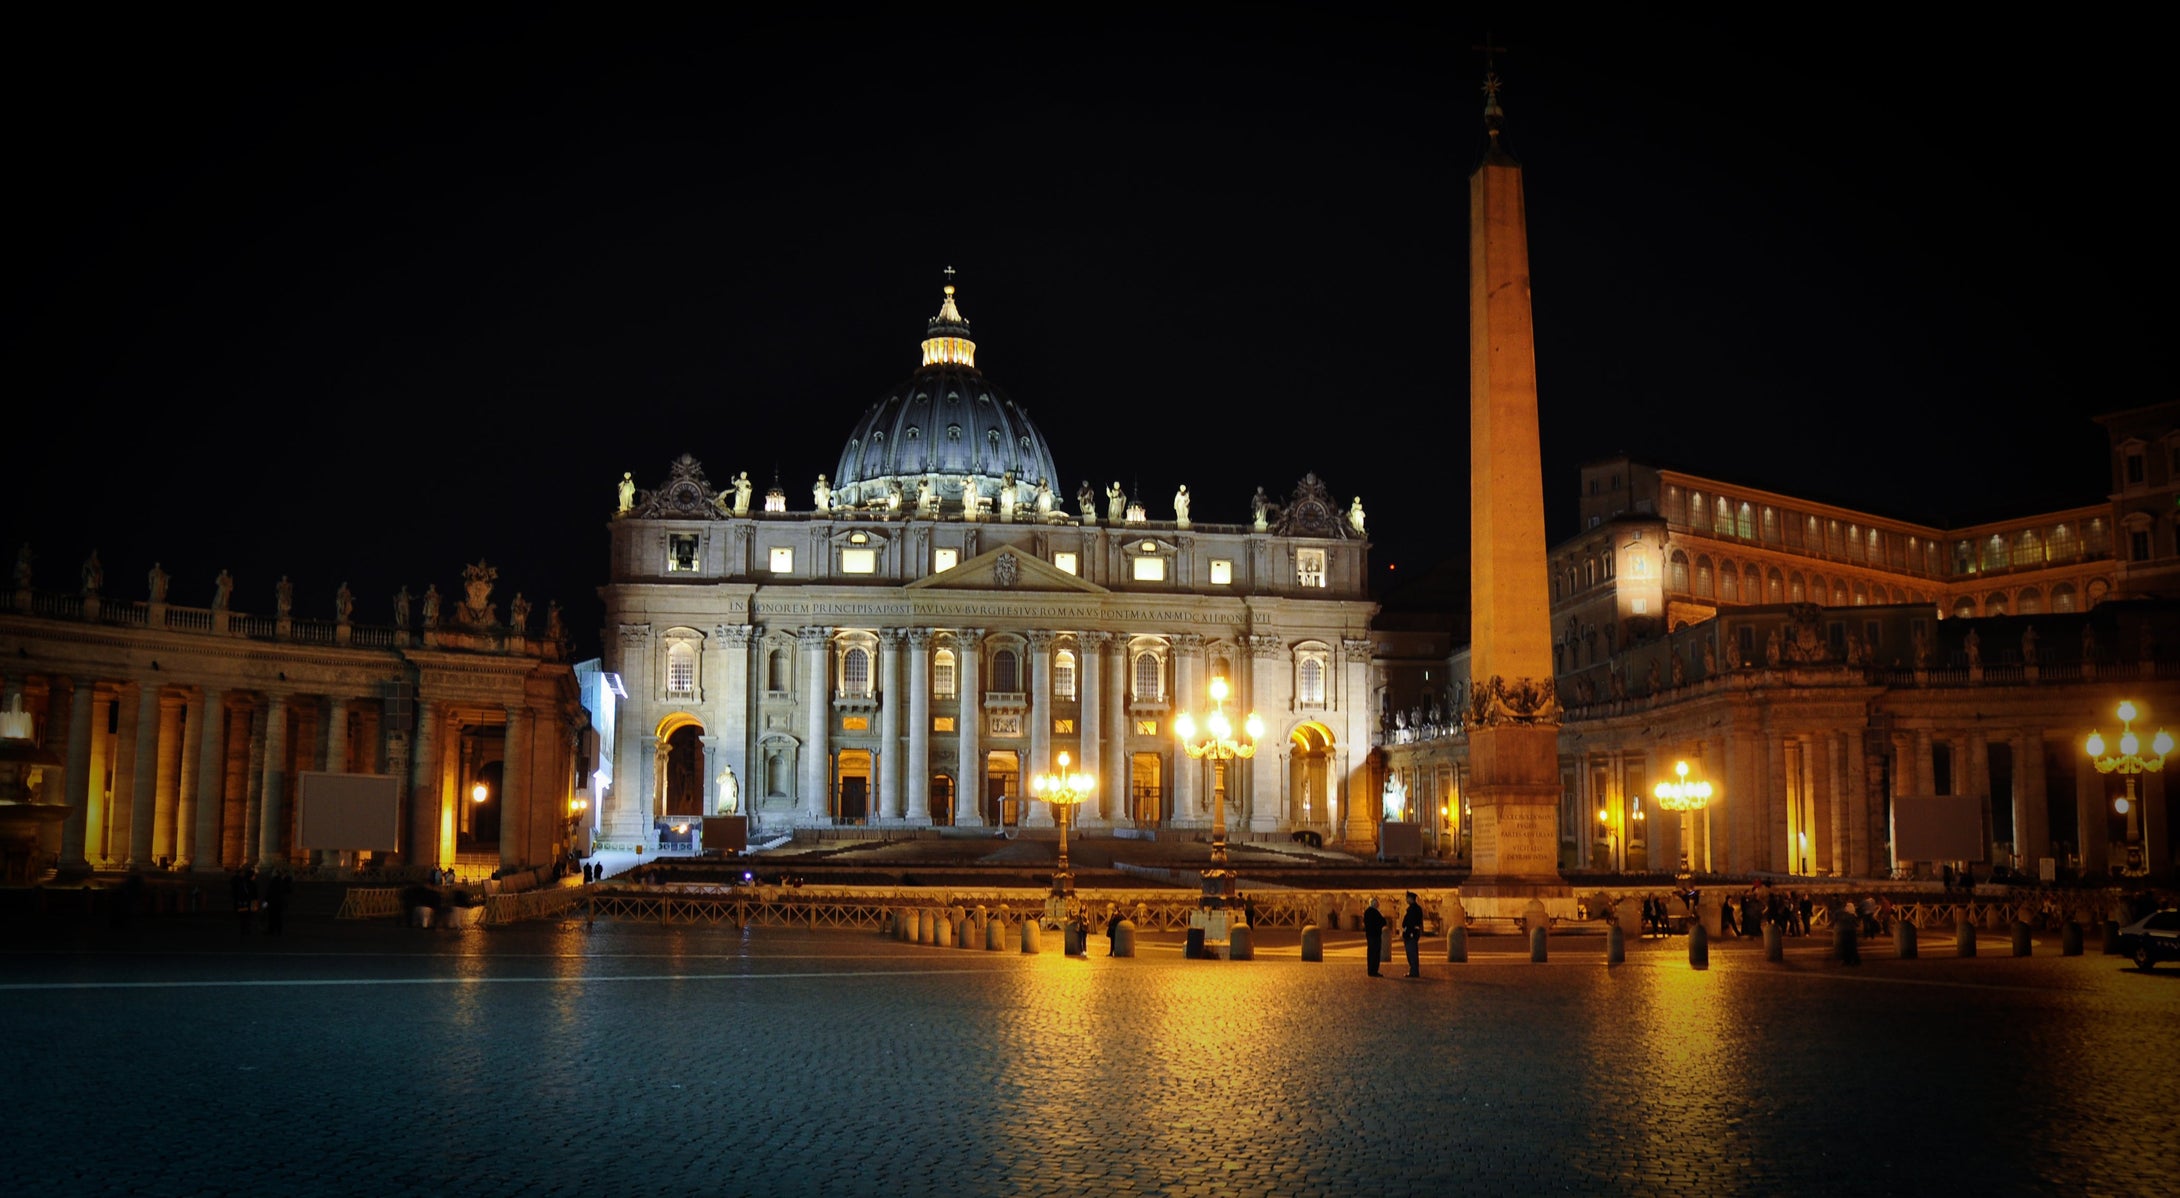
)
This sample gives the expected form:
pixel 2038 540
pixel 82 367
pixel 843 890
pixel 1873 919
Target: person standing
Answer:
pixel 1411 935
pixel 1726 928
pixel 243 889
pixel 1373 936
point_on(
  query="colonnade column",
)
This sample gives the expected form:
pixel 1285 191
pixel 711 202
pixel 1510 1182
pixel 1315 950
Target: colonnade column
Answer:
pixel 76 781
pixel 1089 660
pixel 734 704
pixel 2156 851
pixel 889 724
pixel 2089 805
pixel 515 814
pixel 1853 805
pixel 916 774
pixel 273 818
pixel 817 709
pixel 1258 663
pixel 2031 810
pixel 1191 695
pixel 336 735
pixel 969 792
pixel 199 781
pixel 129 745
pixel 1975 772
pixel 1035 813
pixel 425 790
pixel 166 780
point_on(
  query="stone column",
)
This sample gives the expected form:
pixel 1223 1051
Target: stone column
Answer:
pixel 1973 777
pixel 1089 656
pixel 817 712
pixel 2090 806
pixel 515 813
pixel 889 725
pixel 427 792
pixel 1115 767
pixel 916 772
pixel 238 801
pixel 1191 693
pixel 76 781
pixel 1926 765
pixel 2031 806
pixel 969 791
pixel 629 801
pixel 1036 813
pixel 735 703
pixel 1353 680
pixel 1266 683
pixel 162 749
pixel 2156 851
pixel 136 780
pixel 336 735
pixel 273 822
pixel 198 794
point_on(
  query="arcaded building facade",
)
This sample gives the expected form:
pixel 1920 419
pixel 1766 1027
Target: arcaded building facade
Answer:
pixel 1818 664
pixel 907 642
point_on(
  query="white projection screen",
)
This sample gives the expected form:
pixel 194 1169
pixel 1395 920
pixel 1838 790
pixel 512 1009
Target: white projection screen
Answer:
pixel 1937 828
pixel 347 812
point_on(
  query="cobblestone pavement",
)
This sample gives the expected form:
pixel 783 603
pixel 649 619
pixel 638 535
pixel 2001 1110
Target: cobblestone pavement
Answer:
pixel 179 1057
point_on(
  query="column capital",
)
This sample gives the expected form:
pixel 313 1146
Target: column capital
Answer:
pixel 1188 642
pixel 1040 639
pixel 1356 647
pixel 919 638
pixel 1263 648
pixel 969 636
pixel 814 636
pixel 735 636
pixel 635 634
pixel 1093 640
pixel 888 638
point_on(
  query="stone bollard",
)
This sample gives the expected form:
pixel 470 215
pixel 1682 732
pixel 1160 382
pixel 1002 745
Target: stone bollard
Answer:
pixel 1457 944
pixel 1903 940
pixel 1537 952
pixel 943 932
pixel 924 929
pixel 1033 937
pixel 1699 947
pixel 1964 938
pixel 1124 939
pixel 2070 940
pixel 2022 946
pixel 995 934
pixel 1313 943
pixel 1241 943
pixel 1774 942
pixel 966 934
pixel 1844 948
pixel 2111 937
pixel 1615 945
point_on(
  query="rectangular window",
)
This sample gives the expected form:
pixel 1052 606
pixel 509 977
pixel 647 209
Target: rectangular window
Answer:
pixel 1063 677
pixel 1309 567
pixel 2138 546
pixel 1146 727
pixel 1064 727
pixel 1150 569
pixel 2134 467
pixel 943 560
pixel 783 560
pixel 1064 562
pixel 858 561
pixel 855 723
pixel 1222 572
pixel 681 675
pixel 942 679
pixel 943 723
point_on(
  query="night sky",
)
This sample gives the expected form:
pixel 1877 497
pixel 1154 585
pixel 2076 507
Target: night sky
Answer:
pixel 367 300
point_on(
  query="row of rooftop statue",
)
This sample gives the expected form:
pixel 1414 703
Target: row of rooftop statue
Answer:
pixel 476 611
pixel 1012 499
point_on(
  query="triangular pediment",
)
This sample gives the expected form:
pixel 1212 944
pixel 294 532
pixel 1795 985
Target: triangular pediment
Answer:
pixel 1006 569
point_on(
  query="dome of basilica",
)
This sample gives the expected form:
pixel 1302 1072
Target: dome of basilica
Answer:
pixel 947 426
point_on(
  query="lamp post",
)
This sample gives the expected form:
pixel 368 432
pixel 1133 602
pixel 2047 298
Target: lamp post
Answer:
pixel 2129 761
pixel 1604 825
pixel 1683 796
pixel 1218 743
pixel 1063 790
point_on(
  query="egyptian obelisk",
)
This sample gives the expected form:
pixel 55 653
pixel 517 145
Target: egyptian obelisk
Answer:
pixel 1513 716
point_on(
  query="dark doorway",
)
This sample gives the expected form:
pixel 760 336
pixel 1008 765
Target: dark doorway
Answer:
pixel 685 770
pixel 854 799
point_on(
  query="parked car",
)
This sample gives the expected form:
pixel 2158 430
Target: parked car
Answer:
pixel 2153 938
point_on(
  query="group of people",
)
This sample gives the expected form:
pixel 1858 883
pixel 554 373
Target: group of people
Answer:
pixel 1759 905
pixel 269 896
pixel 1411 935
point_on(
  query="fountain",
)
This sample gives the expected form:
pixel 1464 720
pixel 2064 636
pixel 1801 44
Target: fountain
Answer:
pixel 23 765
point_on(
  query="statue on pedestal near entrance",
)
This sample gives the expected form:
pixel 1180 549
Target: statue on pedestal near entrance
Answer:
pixel 1044 500
pixel 1180 506
pixel 1260 510
pixel 927 498
pixel 971 502
pixel 628 492
pixel 158 581
pixel 730 792
pixel 1006 496
pixel 822 495
pixel 1355 513
pixel 1116 503
pixel 2028 646
pixel 1974 648
pixel 741 493
pixel 1087 499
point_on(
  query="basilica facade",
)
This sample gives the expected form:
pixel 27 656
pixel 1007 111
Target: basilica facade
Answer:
pixel 911 640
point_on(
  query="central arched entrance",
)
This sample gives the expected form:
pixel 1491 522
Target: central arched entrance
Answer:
pixel 680 768
pixel 1312 800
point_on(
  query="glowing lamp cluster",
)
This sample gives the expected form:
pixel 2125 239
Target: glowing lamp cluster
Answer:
pixel 1681 794
pixel 1218 742
pixel 2129 761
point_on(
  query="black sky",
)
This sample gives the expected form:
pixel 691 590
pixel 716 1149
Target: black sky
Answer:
pixel 367 298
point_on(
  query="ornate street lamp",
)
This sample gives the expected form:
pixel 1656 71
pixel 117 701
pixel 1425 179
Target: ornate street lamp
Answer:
pixel 1683 796
pixel 1218 743
pixel 1063 790
pixel 2129 761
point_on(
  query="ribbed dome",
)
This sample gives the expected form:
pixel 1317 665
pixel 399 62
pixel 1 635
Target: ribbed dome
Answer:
pixel 947 423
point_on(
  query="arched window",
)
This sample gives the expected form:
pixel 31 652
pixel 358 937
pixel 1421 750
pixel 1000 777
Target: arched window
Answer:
pixel 1006 671
pixel 2062 598
pixel 1839 592
pixel 1994 605
pixel 1063 674
pixel 681 671
pixel 1818 593
pixel 1796 590
pixel 2030 602
pixel 1752 585
pixel 1774 587
pixel 1148 677
pixel 1679 580
pixel 1964 608
pixel 1703 578
pixel 942 674
pixel 1862 595
pixel 1729 583
pixel 855 674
